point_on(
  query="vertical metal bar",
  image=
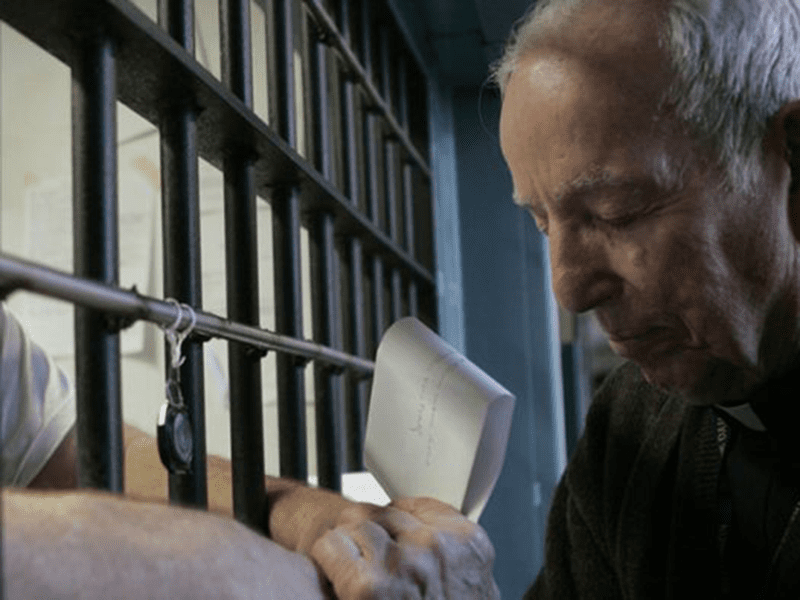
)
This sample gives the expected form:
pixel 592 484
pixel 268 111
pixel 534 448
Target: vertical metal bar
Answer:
pixel 96 256
pixel 397 295
pixel 289 321
pixel 321 107
pixel 352 171
pixel 284 53
pixel 345 27
pixel 391 177
pixel 181 239
pixel 384 58
pixel 408 208
pixel 247 437
pixel 357 412
pixel 402 91
pixel 371 132
pixel 413 299
pixel 365 49
pixel 378 304
pixel 327 382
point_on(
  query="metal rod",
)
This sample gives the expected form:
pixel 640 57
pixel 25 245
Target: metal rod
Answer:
pixel 177 19
pixel 241 267
pixel 96 256
pixel 371 132
pixel 408 208
pixel 235 42
pixel 357 410
pixel 365 43
pixel 363 73
pixel 289 322
pixel 397 295
pixel 384 60
pixel 284 54
pixel 350 129
pixel 413 299
pixel 328 383
pixel 391 170
pixel 402 91
pixel 378 303
pixel 344 21
pixel 323 147
pixel 181 240
pixel 125 307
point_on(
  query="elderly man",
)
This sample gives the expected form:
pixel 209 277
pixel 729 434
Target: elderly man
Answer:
pixel 59 543
pixel 657 144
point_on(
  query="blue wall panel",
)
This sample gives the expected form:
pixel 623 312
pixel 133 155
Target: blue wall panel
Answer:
pixel 511 332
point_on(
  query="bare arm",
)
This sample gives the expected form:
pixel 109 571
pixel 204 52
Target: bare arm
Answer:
pixel 92 545
pixel 416 548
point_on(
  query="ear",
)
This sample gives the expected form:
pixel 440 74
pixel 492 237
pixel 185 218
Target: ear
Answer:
pixel 786 131
pixel 783 143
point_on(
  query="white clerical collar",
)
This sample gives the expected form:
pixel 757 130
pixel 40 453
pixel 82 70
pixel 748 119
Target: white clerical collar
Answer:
pixel 745 414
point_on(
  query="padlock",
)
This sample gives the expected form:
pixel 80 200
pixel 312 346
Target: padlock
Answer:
pixel 174 429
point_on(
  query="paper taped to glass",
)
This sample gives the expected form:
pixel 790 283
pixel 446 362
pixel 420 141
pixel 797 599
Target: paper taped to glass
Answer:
pixel 438 425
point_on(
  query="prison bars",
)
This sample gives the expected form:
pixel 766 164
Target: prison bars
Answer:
pixel 365 197
pixel 121 308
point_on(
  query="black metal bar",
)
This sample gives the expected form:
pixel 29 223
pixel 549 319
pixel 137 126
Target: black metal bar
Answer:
pixel 181 241
pixel 177 19
pixel 365 43
pixel 344 21
pixel 352 188
pixel 323 146
pixel 402 91
pixel 241 252
pixel 150 64
pixel 378 301
pixel 392 179
pixel 357 410
pixel 96 256
pixel 125 307
pixel 408 208
pixel 371 133
pixel 327 382
pixel 413 299
pixel 364 74
pixel 384 60
pixel 289 322
pixel 397 295
pixel 284 54
pixel 235 42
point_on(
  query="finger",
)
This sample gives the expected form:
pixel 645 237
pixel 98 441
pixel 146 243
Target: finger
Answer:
pixel 372 539
pixel 340 556
pixel 336 553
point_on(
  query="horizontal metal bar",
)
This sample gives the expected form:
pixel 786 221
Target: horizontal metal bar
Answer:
pixel 128 306
pixel 336 39
pixel 152 68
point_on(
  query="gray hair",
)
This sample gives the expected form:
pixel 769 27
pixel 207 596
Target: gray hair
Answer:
pixel 735 62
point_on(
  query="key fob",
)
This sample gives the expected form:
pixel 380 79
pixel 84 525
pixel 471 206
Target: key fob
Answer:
pixel 175 443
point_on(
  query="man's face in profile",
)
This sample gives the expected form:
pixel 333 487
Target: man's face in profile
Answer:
pixel 686 276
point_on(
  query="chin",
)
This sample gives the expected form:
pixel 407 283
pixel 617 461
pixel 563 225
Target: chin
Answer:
pixel 702 382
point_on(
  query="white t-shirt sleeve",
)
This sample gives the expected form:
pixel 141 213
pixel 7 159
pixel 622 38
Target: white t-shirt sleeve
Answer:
pixel 37 404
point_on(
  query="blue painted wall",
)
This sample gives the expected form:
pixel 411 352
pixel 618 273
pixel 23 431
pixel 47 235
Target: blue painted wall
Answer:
pixel 511 332
pixel 495 303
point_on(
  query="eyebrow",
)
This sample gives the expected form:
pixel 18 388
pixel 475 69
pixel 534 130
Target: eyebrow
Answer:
pixel 586 184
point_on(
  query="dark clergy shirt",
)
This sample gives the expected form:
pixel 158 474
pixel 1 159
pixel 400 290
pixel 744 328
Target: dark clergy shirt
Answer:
pixel 759 484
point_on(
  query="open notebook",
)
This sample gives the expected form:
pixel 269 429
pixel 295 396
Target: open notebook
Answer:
pixel 437 426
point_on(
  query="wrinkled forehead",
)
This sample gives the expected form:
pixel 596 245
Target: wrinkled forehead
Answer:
pixel 557 96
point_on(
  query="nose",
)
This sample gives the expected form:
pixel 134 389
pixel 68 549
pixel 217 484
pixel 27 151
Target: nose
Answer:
pixel 583 274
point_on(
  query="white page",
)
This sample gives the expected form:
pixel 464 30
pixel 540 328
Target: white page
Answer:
pixel 438 426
